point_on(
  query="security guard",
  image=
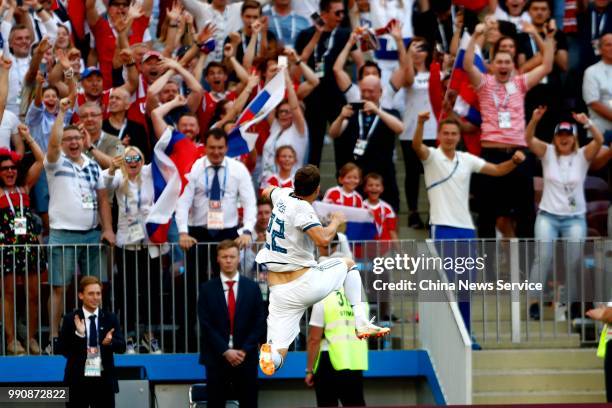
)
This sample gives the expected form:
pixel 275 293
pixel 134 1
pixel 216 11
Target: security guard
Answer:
pixel 336 358
pixel 605 343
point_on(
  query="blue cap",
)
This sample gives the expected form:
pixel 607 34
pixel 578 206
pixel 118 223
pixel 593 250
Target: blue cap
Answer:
pixel 87 72
pixel 566 128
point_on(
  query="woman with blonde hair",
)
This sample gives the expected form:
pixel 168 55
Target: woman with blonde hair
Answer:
pixel 562 210
pixel 139 276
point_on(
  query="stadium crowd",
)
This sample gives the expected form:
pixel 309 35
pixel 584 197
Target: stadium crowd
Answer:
pixel 89 87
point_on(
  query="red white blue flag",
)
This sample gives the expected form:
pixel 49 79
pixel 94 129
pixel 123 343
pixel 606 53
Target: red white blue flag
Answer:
pixel 239 140
pixel 466 105
pixel 360 224
pixel 173 156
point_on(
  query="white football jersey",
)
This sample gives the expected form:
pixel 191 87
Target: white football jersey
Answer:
pixel 288 247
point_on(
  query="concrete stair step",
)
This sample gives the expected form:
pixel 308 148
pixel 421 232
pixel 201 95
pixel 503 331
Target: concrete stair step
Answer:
pixel 493 310
pixel 539 397
pixel 531 327
pixel 524 380
pixel 545 338
pixel 492 343
pixel 534 359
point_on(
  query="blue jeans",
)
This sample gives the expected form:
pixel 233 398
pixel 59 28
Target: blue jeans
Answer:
pixel 458 243
pixel 548 228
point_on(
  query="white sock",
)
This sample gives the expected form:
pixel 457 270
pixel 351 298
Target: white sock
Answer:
pixel 352 291
pixel 277 358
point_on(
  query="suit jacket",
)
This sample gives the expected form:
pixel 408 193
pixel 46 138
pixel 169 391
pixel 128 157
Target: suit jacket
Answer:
pixel 249 321
pixel 74 348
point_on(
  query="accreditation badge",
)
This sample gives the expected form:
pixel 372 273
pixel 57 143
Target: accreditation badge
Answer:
pixel 320 69
pixel 93 364
pixel 360 148
pixel 215 215
pixel 136 232
pixel 87 200
pixel 504 120
pixel 20 225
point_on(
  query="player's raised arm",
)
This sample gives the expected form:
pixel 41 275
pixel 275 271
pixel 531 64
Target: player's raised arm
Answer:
pixel 323 236
pixel 267 192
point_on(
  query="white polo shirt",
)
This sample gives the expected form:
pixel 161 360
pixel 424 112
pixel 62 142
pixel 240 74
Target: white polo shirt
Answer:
pixel 69 185
pixel 449 200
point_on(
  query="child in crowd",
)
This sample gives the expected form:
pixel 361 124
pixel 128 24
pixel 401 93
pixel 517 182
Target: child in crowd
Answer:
pixel 386 230
pixel 384 216
pixel 349 179
pixel 285 159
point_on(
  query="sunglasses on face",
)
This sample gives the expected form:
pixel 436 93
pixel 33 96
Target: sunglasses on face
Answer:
pixel 7 168
pixel 133 159
pixel 72 139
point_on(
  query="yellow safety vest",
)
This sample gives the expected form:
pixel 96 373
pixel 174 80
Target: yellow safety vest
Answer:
pixel 603 340
pixel 346 351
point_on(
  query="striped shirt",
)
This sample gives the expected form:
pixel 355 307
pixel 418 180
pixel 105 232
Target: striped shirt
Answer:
pixel 277 181
pixel 73 193
pixel 510 98
pixel 337 195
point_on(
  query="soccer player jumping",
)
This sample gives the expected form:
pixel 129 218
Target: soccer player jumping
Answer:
pixel 296 280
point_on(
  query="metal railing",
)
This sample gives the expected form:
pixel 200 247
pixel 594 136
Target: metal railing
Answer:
pixel 447 341
pixel 152 296
pixel 158 296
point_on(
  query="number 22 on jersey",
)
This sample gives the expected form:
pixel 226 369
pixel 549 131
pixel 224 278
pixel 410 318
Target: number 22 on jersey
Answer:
pixel 276 234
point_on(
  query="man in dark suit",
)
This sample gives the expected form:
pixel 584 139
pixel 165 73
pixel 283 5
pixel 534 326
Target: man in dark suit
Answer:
pixel 233 324
pixel 88 338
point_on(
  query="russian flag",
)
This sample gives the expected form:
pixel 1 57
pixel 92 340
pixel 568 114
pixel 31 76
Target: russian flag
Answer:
pixel 360 224
pixel 173 156
pixel 239 140
pixel 466 105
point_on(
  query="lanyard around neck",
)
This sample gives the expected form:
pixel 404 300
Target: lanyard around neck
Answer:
pixel 372 126
pixel 138 203
pixel 122 130
pixel 496 99
pixel 10 202
pixel 330 45
pixel 278 27
pixel 244 41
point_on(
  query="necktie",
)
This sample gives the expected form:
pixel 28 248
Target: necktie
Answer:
pixel 231 304
pixel 93 332
pixel 215 195
pixel 215 190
